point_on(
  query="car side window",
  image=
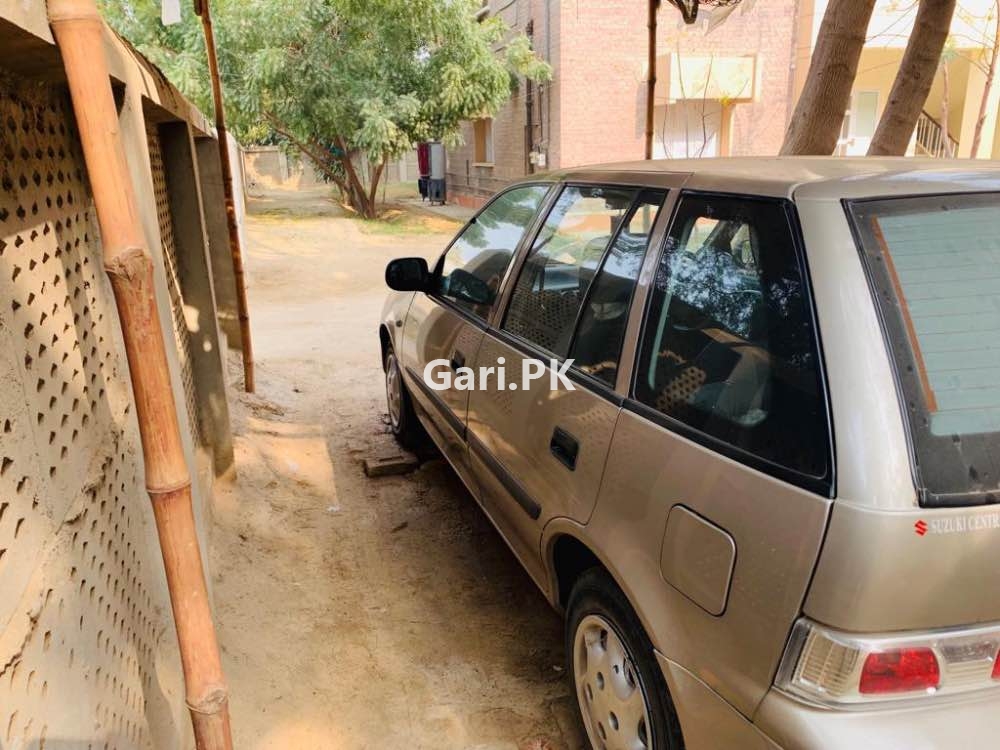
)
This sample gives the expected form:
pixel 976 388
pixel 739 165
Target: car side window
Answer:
pixel 470 273
pixel 562 262
pixel 601 330
pixel 728 345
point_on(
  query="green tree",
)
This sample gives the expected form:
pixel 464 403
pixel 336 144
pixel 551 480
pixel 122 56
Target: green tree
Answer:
pixel 351 84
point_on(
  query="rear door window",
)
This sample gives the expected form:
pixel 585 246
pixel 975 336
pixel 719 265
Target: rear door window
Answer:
pixel 934 262
pixel 604 317
pixel 728 350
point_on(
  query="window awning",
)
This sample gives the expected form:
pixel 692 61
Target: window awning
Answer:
pixel 730 79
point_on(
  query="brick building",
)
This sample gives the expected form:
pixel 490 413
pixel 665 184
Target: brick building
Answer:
pixel 724 91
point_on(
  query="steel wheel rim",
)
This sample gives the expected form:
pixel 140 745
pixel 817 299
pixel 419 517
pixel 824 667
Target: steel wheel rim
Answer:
pixel 393 391
pixel 609 689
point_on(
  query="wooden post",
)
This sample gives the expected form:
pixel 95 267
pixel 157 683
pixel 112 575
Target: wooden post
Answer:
pixel 726 129
pixel 654 6
pixel 242 309
pixel 79 32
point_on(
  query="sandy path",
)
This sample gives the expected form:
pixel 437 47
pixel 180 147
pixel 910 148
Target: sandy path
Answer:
pixel 356 613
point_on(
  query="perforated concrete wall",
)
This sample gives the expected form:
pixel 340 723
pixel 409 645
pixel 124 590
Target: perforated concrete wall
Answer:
pixel 171 264
pixel 87 651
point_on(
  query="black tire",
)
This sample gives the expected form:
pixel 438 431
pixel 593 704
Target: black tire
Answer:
pixel 405 426
pixel 596 594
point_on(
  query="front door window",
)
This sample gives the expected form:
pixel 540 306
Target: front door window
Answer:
pixel 472 269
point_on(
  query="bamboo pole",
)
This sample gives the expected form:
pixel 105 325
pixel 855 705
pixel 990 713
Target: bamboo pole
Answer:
pixel 654 7
pixel 243 310
pixel 79 32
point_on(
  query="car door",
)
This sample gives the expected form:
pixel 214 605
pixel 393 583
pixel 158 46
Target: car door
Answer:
pixel 446 325
pixel 539 452
pixel 719 477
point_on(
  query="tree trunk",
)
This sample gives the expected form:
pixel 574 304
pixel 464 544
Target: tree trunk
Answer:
pixel 358 196
pixel 353 180
pixel 914 79
pixel 373 188
pixel 818 116
pixel 991 72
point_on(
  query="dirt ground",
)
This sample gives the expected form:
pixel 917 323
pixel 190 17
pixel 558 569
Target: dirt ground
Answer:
pixel 361 613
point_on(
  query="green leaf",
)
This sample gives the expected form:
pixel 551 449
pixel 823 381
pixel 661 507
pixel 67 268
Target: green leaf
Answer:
pixel 382 75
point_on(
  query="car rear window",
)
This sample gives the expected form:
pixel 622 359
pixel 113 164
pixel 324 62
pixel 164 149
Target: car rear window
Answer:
pixel 934 262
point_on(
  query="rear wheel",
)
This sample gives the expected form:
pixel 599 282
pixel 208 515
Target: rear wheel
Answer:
pixel 406 428
pixel 620 691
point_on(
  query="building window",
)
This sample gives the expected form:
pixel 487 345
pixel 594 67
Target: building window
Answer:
pixel 483 140
pixel 859 124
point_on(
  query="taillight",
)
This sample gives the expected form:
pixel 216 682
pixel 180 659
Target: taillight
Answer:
pixel 834 668
pixel 899 671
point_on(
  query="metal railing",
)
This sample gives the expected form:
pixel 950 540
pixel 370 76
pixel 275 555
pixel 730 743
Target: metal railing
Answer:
pixel 931 139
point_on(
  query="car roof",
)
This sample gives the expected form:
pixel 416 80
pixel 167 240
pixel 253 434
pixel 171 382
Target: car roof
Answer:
pixel 803 177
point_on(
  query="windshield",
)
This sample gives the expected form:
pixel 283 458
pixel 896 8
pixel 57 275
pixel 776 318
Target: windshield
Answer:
pixel 935 264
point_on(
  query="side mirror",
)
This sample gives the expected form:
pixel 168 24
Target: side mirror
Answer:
pixel 465 287
pixel 407 275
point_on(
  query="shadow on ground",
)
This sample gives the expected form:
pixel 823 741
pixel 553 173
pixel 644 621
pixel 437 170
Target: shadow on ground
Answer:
pixel 354 612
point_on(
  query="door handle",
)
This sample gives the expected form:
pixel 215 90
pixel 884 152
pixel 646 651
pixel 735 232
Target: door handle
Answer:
pixel 457 360
pixel 564 447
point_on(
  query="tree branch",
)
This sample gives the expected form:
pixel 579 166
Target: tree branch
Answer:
pixel 317 157
pixel 991 72
pixel 376 177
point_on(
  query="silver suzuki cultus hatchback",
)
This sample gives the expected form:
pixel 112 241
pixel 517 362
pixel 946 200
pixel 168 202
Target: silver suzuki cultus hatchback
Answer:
pixel 740 421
